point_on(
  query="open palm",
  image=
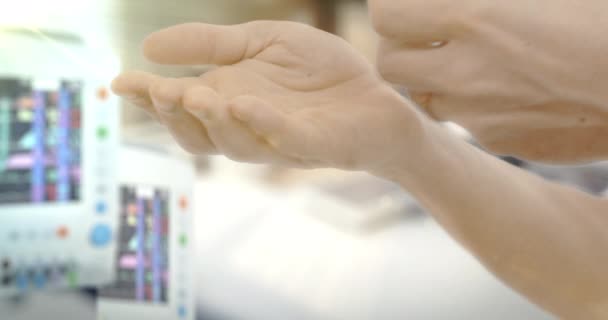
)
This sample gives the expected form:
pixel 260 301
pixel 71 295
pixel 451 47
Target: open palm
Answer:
pixel 283 93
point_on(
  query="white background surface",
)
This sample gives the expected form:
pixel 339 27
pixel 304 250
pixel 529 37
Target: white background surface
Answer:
pixel 262 258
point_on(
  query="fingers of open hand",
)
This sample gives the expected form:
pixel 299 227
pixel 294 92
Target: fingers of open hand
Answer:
pixel 230 136
pixel 291 135
pixel 190 133
pixel 134 86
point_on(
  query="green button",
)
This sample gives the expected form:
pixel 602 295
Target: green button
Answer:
pixel 102 132
pixel 72 279
pixel 183 240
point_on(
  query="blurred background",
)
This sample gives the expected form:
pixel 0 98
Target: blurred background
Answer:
pixel 275 243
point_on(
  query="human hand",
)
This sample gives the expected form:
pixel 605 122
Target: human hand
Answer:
pixel 283 93
pixel 527 78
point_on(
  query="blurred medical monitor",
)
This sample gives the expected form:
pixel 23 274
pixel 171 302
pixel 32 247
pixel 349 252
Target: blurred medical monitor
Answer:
pixel 154 261
pixel 58 147
pixel 40 141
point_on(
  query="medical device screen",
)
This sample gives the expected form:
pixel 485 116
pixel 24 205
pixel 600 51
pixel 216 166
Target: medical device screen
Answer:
pixel 142 265
pixel 40 141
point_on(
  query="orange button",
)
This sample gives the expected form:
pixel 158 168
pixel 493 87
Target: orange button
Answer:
pixel 102 94
pixel 183 203
pixel 63 232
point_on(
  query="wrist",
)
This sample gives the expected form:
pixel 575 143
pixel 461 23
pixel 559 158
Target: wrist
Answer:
pixel 422 152
pixel 407 137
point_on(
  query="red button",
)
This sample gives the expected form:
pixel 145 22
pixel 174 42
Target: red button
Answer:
pixel 63 232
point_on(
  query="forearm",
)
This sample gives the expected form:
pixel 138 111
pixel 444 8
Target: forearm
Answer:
pixel 547 241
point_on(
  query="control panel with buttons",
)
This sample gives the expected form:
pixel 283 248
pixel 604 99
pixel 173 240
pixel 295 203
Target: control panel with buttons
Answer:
pixel 58 149
pixel 154 256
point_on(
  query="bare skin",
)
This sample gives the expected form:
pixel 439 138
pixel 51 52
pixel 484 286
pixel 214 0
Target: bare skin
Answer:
pixel 292 95
pixel 527 78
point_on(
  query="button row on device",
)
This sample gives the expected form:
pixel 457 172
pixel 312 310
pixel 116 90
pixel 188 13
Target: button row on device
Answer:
pixel 39 277
pixel 182 310
pixel 61 232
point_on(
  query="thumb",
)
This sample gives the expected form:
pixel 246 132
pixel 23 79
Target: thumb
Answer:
pixel 200 43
